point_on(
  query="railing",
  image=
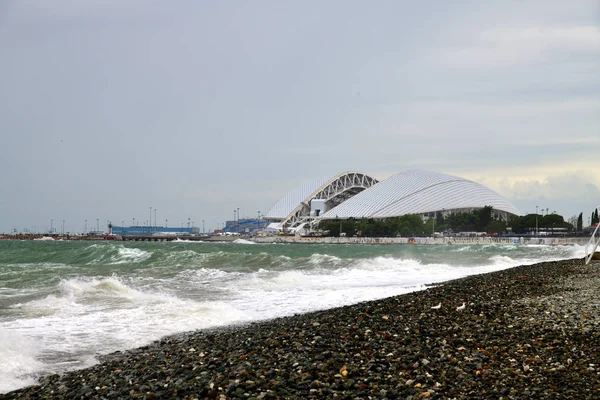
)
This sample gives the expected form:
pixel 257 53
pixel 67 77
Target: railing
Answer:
pixel 593 243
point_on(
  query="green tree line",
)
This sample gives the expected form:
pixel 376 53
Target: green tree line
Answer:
pixel 480 220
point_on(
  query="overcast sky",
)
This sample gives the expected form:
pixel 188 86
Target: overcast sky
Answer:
pixel 195 108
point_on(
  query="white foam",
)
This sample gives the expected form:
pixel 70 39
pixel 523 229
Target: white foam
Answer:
pixel 130 255
pixel 90 315
pixel 19 360
pixel 242 241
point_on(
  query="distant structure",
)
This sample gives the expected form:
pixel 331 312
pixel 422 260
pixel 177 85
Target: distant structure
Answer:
pixel 153 231
pixel 355 195
pixel 245 226
pixel 310 201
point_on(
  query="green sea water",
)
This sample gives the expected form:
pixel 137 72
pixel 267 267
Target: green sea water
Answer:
pixel 62 303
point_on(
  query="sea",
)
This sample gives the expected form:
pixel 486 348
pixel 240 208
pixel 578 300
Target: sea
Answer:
pixel 64 303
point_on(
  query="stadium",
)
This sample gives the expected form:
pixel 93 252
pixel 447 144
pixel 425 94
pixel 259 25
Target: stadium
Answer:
pixel 357 195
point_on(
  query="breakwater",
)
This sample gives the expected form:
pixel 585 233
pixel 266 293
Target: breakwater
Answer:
pixel 424 240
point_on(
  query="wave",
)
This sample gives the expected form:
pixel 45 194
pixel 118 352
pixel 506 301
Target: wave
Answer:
pixel 19 355
pixel 243 241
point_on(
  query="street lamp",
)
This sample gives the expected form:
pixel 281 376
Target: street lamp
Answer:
pixel 536 221
pixel 233 226
pixel 238 224
pixel 150 221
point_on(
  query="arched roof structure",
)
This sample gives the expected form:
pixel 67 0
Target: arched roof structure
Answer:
pixel 294 208
pixel 417 191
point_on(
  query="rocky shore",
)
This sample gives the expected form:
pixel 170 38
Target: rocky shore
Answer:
pixel 528 332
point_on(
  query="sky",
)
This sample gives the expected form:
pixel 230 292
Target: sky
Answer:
pixel 196 108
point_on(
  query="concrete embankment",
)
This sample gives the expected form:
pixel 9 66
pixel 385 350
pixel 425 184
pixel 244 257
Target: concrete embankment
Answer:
pixel 423 240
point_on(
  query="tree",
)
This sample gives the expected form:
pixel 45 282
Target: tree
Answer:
pixel 485 216
pixel 496 226
pixel 580 222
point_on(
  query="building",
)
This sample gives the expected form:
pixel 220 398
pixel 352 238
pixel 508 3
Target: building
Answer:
pixel 153 231
pixel 310 201
pixel 356 195
pixel 245 226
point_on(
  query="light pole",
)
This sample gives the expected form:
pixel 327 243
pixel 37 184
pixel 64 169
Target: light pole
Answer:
pixel 165 224
pixel 51 225
pixel 85 227
pixel 233 226
pixel 155 220
pixel 97 224
pixel 133 221
pixel 257 220
pixel 150 221
pixel 63 227
pixel 536 221
pixel 238 224
pixel 203 227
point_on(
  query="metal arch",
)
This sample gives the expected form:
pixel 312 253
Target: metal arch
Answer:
pixel 335 191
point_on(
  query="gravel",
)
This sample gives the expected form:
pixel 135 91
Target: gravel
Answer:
pixel 527 332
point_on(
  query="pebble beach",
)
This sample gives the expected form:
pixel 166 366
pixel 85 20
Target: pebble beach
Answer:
pixel 526 332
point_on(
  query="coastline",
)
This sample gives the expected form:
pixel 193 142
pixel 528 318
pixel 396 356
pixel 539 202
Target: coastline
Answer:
pixel 526 332
pixel 516 240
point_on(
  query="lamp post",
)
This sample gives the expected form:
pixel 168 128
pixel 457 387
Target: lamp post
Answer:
pixel 233 226
pixel 63 227
pixel 155 220
pixel 203 227
pixel 536 221
pixel 150 222
pixel 85 227
pixel 165 224
pixel 238 224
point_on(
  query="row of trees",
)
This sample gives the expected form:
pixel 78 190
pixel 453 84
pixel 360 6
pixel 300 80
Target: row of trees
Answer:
pixel 593 220
pixel 481 220
pixel 594 217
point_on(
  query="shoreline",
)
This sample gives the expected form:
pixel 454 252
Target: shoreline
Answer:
pixel 516 240
pixel 527 332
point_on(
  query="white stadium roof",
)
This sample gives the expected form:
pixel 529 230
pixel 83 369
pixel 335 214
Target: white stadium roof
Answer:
pixel 418 191
pixel 290 201
pixel 294 208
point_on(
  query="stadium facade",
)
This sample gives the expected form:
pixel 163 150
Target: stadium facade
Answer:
pixel 357 195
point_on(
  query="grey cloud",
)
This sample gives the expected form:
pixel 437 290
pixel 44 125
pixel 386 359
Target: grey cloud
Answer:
pixel 111 107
